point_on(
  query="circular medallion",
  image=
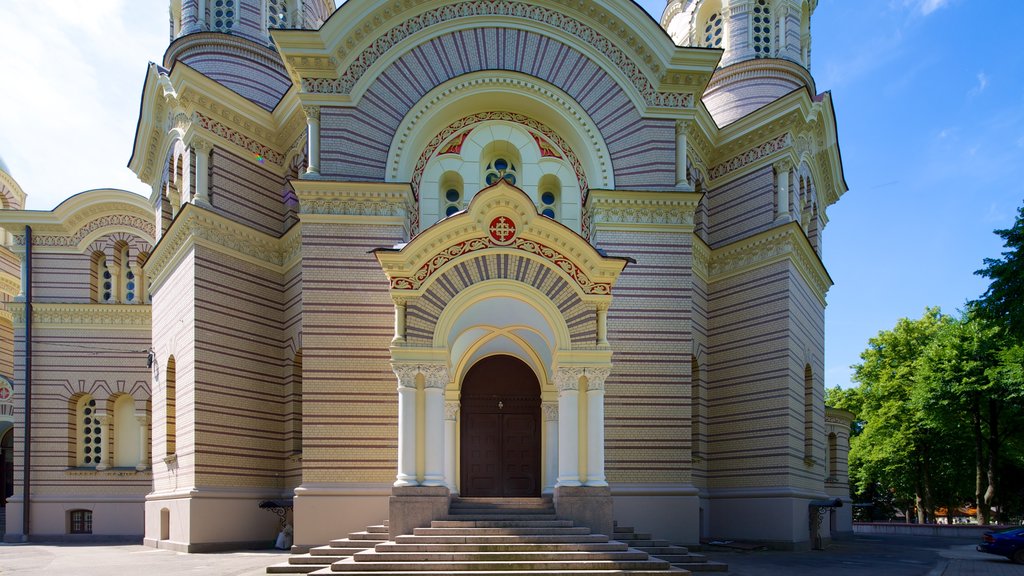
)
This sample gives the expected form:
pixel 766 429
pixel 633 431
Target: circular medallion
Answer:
pixel 503 230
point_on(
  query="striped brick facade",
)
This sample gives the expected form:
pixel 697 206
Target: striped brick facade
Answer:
pixel 312 323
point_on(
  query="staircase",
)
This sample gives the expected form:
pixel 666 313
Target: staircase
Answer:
pixel 678 556
pixel 482 537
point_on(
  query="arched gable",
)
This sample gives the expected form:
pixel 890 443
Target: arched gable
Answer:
pixel 355 140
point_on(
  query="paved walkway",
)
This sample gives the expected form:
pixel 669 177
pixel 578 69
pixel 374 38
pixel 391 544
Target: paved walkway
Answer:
pixel 862 556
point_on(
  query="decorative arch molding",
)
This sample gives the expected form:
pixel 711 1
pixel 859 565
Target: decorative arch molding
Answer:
pixel 80 220
pixel 557 23
pixel 556 115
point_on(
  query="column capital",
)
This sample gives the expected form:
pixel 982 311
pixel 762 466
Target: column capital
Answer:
pixel 312 112
pixel 550 411
pixel 783 165
pixel 434 376
pixel 142 419
pixel 682 126
pixel 406 374
pixel 451 410
pixel 596 377
pixel 201 145
pixel 567 379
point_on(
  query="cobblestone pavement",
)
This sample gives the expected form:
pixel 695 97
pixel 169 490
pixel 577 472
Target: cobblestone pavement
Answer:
pixel 862 556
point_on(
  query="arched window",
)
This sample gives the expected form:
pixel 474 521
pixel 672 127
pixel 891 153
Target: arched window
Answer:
pixel 223 15
pixel 549 192
pixel 502 166
pixel 696 409
pixel 712 29
pixel 805 34
pixel 120 271
pixel 808 413
pixel 279 14
pixel 833 457
pixel 128 434
pixel 761 29
pixel 170 404
pixel 88 433
pixel 451 193
pixel 100 278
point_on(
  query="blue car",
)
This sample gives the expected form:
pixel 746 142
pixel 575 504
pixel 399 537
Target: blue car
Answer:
pixel 1009 543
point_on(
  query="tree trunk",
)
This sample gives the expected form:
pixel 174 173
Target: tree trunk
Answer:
pixel 979 462
pixel 993 457
pixel 929 506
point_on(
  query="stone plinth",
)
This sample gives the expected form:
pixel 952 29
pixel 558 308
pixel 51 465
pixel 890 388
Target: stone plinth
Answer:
pixel 412 507
pixel 589 506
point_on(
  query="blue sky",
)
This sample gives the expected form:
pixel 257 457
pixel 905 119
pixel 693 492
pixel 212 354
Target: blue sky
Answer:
pixel 929 98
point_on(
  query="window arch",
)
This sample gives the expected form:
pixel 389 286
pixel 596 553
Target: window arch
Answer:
pixel 100 278
pixel 280 14
pixel 500 159
pixel 710 30
pixel 697 410
pixel 761 29
pixel 451 193
pixel 549 195
pixel 170 408
pixel 128 434
pixel 89 434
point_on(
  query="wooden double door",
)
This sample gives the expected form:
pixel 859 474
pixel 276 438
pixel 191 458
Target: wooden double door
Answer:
pixel 500 415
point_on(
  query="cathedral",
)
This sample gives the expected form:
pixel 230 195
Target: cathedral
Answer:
pixel 402 251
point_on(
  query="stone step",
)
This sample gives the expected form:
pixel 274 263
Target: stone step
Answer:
pixel 633 536
pixel 445 555
pixel 335 550
pixel 375 536
pixel 643 543
pixel 656 572
pixel 521 531
pixel 501 524
pixel 507 502
pixel 287 568
pixel 308 559
pixel 508 547
pixel 707 566
pixel 498 572
pixel 349 565
pixel 671 549
pixel 362 544
pixel 500 515
pixel 380 529
pixel 502 539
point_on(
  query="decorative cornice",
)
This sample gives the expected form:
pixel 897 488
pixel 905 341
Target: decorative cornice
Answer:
pixel 444 15
pixel 786 242
pixel 354 199
pixel 143 225
pixel 107 316
pixel 701 258
pixel 750 156
pixel 234 136
pixel 10 284
pixel 196 225
pixel 672 211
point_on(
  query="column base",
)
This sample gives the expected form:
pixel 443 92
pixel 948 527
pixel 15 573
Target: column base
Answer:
pixel 589 506
pixel 414 507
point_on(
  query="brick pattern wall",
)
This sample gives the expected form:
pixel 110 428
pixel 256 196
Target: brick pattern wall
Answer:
pixel 647 398
pixel 807 333
pixel 741 208
pixel 355 141
pixel 350 421
pixel 67 276
pixel 291 326
pixel 247 193
pixel 240 364
pixel 750 379
pixel 251 70
pixel 422 313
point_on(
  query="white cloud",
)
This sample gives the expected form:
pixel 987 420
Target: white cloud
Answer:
pixel 929 6
pixel 981 85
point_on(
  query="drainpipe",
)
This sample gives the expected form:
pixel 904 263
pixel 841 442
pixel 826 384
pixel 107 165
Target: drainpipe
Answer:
pixel 27 471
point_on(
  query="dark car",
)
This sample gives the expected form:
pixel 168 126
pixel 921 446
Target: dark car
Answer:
pixel 1009 543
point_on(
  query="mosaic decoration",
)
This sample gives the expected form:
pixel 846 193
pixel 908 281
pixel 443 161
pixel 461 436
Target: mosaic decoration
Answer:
pixel 750 156
pixel 455 146
pixel 552 137
pixel 547 150
pixel 550 17
pixel 503 230
pixel 415 282
pixel 237 138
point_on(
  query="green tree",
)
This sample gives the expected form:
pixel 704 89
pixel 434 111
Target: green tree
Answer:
pixel 898 447
pixel 1003 302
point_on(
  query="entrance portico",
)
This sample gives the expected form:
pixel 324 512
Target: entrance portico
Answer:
pixel 500 284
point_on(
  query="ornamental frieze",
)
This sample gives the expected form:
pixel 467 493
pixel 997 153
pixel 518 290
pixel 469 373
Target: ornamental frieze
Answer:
pixel 261 151
pixel 134 316
pixel 444 14
pixel 750 156
pixel 143 225
pixel 500 237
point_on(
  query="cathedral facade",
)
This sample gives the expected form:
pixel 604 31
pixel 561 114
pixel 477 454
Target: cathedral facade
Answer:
pixel 402 250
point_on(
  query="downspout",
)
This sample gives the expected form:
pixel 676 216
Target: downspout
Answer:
pixel 27 470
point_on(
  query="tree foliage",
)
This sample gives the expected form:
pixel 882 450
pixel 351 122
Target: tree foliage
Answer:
pixel 1003 302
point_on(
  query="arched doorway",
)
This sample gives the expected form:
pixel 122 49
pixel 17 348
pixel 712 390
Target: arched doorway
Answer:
pixel 6 466
pixel 500 410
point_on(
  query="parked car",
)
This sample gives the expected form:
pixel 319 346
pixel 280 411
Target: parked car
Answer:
pixel 1009 543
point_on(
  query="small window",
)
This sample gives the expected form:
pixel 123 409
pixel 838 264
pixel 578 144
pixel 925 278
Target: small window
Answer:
pixel 501 168
pixel 224 14
pixel 80 522
pixel 761 29
pixel 713 31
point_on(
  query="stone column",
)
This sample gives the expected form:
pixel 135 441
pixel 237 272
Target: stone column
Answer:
pixel 104 420
pixel 202 150
pixel 436 378
pixel 595 425
pixel 681 180
pixel 602 323
pixel 399 321
pixel 782 168
pixel 406 424
pixel 313 129
pixel 143 421
pixel 568 382
pixel 451 412
pixel 550 412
